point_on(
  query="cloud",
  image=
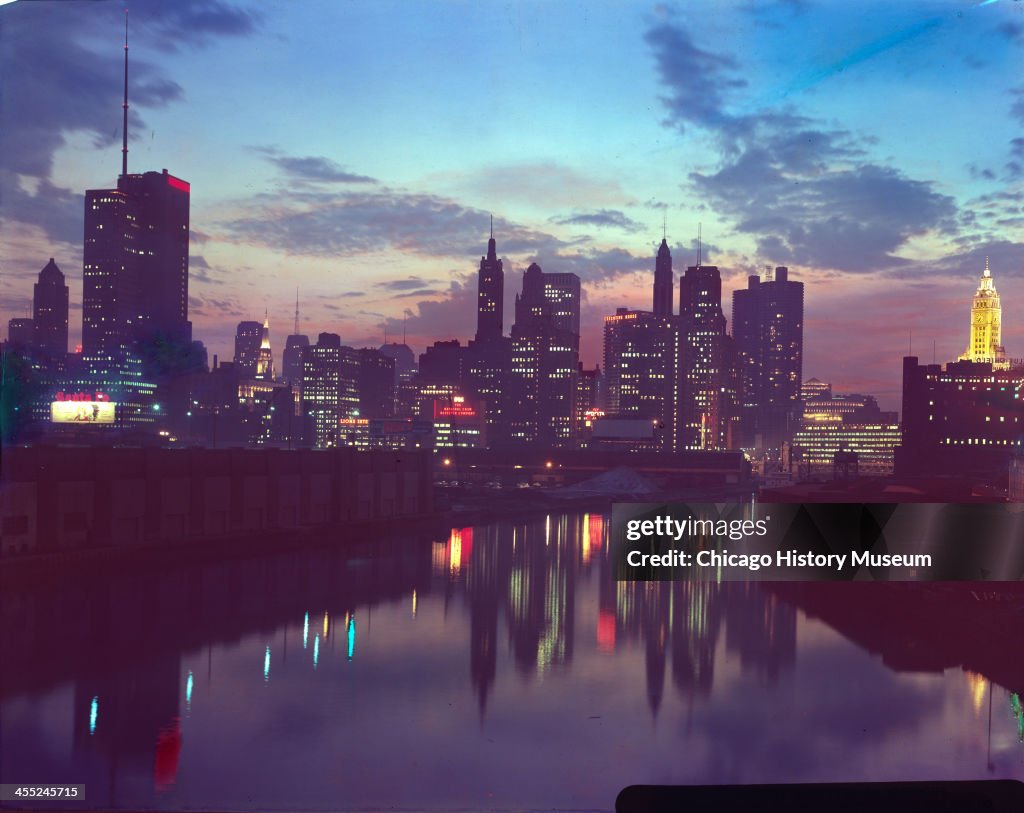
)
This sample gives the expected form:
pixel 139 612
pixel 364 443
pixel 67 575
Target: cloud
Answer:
pixel 417 292
pixel 211 307
pixel 453 315
pixel 1005 257
pixel 847 220
pixel 806 194
pixel 1017 108
pixel 981 173
pixel 57 83
pixel 402 284
pixel 697 81
pixel 594 266
pixel 601 218
pixel 311 168
pixel 558 185
pixel 1011 30
pixel 353 223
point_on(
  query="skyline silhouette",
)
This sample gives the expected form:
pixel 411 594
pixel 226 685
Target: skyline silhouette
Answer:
pixel 381 212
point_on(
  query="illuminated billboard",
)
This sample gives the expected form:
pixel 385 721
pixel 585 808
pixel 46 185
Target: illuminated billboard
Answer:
pixel 82 411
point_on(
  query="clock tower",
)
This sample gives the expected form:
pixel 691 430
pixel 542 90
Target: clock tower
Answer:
pixel 986 328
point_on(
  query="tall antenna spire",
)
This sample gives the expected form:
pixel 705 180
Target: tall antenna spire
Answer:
pixel 664 223
pixel 403 327
pixel 492 227
pixel 700 245
pixel 124 104
pixel 988 271
pixel 296 311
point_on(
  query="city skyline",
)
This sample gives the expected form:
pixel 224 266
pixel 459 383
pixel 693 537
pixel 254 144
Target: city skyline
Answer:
pixel 374 198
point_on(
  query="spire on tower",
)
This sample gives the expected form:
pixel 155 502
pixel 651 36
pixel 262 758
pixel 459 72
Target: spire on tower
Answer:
pixel 296 311
pixel 700 245
pixel 988 271
pixel 492 250
pixel 124 104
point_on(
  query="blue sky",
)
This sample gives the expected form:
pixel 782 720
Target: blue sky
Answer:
pixel 355 151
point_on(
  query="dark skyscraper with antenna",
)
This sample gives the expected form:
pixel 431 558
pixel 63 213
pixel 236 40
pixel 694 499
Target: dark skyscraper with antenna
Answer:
pixel 291 361
pixel 135 271
pixel 490 294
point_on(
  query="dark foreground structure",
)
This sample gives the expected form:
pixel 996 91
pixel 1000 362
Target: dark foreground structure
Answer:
pixel 57 498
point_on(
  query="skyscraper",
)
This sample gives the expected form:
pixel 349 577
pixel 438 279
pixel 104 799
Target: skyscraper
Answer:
pixel 641 355
pixel 986 342
pixel 545 358
pixel 967 417
pixel 135 328
pixel 663 281
pixel 707 409
pixel 490 294
pixel 135 265
pixel 50 314
pixel 489 356
pixel 405 376
pixel 248 339
pixel 768 326
pixel 21 333
pixel 552 299
pixel 265 356
pixel 321 375
pixel 376 384
pixel 291 359
pixel 405 360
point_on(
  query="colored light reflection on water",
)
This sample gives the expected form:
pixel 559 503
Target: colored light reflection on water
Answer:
pixel 525 677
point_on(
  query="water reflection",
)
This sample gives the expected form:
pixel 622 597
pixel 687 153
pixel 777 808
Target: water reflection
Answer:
pixel 143 684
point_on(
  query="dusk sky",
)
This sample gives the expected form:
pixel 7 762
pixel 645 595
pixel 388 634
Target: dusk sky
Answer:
pixel 356 150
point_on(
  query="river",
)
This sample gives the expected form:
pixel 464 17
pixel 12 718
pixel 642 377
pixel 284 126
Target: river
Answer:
pixel 495 667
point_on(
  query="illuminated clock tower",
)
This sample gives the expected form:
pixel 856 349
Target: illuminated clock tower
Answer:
pixel 986 325
pixel 265 360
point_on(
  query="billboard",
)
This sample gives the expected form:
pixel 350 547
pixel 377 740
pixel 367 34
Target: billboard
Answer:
pixel 82 411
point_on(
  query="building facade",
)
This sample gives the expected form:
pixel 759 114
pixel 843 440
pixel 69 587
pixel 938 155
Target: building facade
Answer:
pixel 544 359
pixel 707 411
pixel 248 340
pixel 641 364
pixel 767 325
pixel 50 315
pixel 135 264
pixel 842 424
pixel 960 419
